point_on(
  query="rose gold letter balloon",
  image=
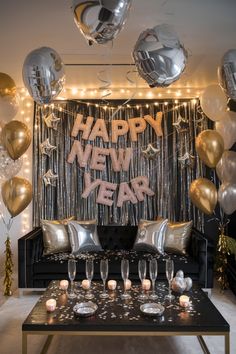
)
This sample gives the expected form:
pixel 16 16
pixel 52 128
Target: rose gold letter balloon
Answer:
pixel 16 194
pixel 203 195
pixel 210 147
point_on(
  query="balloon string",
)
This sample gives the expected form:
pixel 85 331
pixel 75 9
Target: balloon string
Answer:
pixel 7 224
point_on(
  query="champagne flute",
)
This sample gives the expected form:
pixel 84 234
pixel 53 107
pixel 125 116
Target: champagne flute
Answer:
pixel 71 274
pixel 89 274
pixel 125 276
pixel 153 276
pixel 169 276
pixel 142 269
pixel 104 275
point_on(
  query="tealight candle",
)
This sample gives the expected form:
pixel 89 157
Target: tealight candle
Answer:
pixel 85 284
pixel 184 301
pixel 64 284
pixel 51 305
pixel 146 284
pixel 128 284
pixel 112 284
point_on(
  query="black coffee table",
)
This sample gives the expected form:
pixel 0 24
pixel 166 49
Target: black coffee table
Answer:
pixel 117 317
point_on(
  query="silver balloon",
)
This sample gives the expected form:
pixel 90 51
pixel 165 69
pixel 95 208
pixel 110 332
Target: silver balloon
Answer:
pixel 159 56
pixel 227 129
pixel 100 21
pixel 226 167
pixel 8 167
pixel 227 197
pixel 43 74
pixel 227 73
pixel 8 108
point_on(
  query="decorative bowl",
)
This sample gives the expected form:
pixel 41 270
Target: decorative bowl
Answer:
pixel 152 309
pixel 85 309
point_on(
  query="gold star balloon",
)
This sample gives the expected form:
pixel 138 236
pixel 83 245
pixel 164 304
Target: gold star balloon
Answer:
pixel 49 178
pixel 181 124
pixel 46 148
pixel 187 160
pixel 52 121
pixel 151 152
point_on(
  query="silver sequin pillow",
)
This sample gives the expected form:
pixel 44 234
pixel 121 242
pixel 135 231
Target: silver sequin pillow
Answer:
pixel 177 237
pixel 83 236
pixel 151 236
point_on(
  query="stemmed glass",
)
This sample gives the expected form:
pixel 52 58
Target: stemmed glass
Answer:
pixel 125 276
pixel 104 275
pixel 89 274
pixel 142 269
pixel 169 276
pixel 71 274
pixel 153 276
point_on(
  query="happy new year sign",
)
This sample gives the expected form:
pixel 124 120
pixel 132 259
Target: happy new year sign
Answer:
pixel 95 157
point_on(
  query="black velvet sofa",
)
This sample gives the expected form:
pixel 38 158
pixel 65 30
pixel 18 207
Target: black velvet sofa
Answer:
pixel 36 270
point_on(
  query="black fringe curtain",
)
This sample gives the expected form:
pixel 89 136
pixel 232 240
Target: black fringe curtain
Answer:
pixel 169 179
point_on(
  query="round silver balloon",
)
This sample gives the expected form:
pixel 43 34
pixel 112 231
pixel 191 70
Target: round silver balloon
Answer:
pixel 227 197
pixel 227 129
pixel 159 56
pixel 226 167
pixel 8 167
pixel 8 108
pixel 227 73
pixel 43 74
pixel 100 21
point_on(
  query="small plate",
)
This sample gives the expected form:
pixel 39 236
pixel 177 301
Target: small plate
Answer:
pixel 152 309
pixel 85 309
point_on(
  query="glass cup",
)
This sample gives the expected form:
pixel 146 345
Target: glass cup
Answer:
pixel 169 276
pixel 125 276
pixel 89 269
pixel 142 270
pixel 104 275
pixel 153 275
pixel 71 275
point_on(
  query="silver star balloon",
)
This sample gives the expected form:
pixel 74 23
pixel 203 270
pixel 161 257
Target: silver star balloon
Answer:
pixel 181 124
pixel 46 148
pixel 187 160
pixel 52 121
pixel 151 152
pixel 49 178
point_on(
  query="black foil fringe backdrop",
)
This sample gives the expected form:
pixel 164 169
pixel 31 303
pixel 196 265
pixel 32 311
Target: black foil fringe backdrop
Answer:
pixel 169 179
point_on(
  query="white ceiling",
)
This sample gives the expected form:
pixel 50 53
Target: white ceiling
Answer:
pixel 207 28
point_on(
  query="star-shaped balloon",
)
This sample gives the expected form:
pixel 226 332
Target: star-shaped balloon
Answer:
pixel 187 160
pixel 46 148
pixel 49 178
pixel 151 152
pixel 181 124
pixel 52 121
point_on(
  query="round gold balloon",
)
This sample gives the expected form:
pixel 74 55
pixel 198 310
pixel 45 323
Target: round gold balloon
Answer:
pixel 16 195
pixel 203 195
pixel 210 147
pixel 7 86
pixel 16 138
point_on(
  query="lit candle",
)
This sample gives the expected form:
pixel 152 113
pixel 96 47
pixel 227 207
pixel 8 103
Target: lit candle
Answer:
pixel 146 284
pixel 51 305
pixel 128 284
pixel 64 284
pixel 112 284
pixel 184 301
pixel 85 284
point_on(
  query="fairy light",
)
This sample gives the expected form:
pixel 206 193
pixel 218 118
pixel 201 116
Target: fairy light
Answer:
pixel 149 94
pixel 22 112
pixel 168 91
pixel 165 103
pixel 128 105
pixel 156 103
pixel 194 101
pixel 140 94
pixel 185 104
pixel 127 91
pixel 159 94
pixel 188 90
pixel 176 101
pixel 96 105
pixel 137 106
pixel 122 91
pixel 178 93
pixel 74 91
pixel 147 105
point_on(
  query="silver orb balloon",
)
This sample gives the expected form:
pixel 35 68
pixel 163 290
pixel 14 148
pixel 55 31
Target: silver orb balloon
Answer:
pixel 178 285
pixel 43 74
pixel 8 167
pixel 227 197
pixel 227 73
pixel 100 21
pixel 159 57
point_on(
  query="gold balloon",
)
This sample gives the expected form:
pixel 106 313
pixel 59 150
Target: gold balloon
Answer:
pixel 210 147
pixel 16 138
pixel 16 195
pixel 203 195
pixel 7 86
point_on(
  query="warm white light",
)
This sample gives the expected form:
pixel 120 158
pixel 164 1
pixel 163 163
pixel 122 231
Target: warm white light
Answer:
pixel 127 91
pixel 122 91
pixel 178 93
pixel 159 94
pixel 27 119
pixel 82 93
pixel 188 90
pixel 137 106
pixel 165 103
pixel 96 105
pixel 74 91
pixel 147 105
pixel 176 101
pixel 140 94
pixel 156 104
pixel 185 104
pixel 168 91
pixel 128 105
pixel 28 104
pixel 22 112
pixel 150 94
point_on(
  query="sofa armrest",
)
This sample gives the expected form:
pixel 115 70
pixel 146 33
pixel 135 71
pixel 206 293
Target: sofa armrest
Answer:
pixel 30 249
pixel 202 250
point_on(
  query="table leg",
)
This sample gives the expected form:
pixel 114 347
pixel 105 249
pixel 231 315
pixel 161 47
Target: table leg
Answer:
pixel 24 343
pixel 47 344
pixel 203 345
pixel 227 344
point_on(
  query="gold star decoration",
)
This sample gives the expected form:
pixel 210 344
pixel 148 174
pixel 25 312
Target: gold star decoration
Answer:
pixel 52 121
pixel 151 152
pixel 49 178
pixel 46 148
pixel 187 160
pixel 181 124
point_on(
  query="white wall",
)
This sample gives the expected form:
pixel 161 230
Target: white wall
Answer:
pixel 23 222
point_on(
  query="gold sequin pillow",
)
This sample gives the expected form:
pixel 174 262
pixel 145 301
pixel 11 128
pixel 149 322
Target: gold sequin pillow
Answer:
pixel 177 237
pixel 55 236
